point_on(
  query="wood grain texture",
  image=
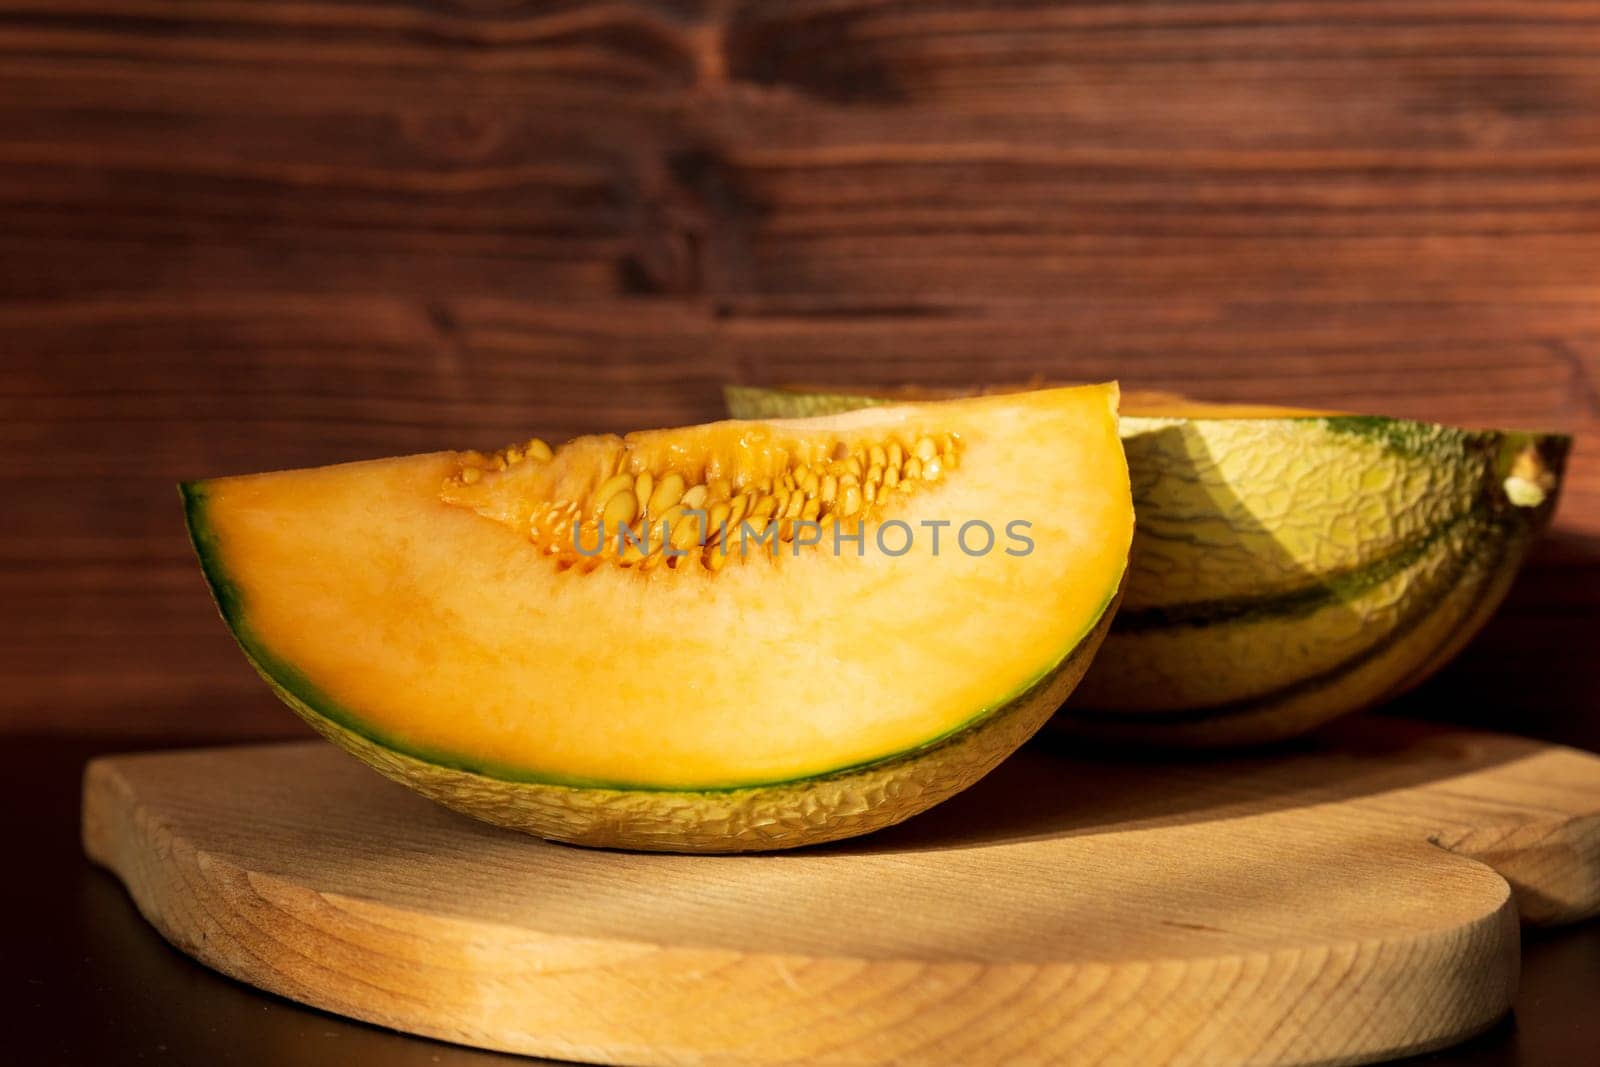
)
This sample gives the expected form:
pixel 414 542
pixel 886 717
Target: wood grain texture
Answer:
pixel 1337 904
pixel 239 236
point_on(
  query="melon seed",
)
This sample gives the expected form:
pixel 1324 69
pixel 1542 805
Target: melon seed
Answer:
pixel 470 475
pixel 620 509
pixel 643 486
pixel 913 469
pixel 685 530
pixel 668 493
pixel 718 515
pixel 851 501
pixel 610 488
pixel 925 449
pixel 694 497
pixel 538 450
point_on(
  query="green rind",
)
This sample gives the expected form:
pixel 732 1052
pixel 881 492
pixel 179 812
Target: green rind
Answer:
pixel 1262 716
pixel 1495 449
pixel 839 803
pixel 1334 588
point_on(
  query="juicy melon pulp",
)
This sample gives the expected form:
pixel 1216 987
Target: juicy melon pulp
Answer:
pixel 431 605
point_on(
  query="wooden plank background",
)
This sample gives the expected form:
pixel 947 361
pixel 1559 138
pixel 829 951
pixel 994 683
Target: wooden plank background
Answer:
pixel 244 234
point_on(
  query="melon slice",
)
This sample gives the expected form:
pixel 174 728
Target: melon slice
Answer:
pixel 1290 566
pixel 737 636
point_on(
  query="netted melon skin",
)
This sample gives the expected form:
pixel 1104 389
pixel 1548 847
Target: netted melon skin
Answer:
pixel 762 818
pixel 1347 634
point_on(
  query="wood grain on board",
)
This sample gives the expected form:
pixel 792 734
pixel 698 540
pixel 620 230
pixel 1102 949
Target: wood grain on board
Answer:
pixel 246 236
pixel 1355 899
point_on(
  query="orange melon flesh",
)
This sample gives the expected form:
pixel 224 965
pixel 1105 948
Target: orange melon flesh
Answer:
pixel 444 633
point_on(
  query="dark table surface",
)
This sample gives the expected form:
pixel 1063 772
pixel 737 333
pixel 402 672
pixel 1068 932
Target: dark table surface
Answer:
pixel 89 982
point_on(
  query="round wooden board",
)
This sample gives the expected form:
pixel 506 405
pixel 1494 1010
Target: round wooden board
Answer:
pixel 1336 902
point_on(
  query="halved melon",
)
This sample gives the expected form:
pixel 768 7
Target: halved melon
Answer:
pixel 737 636
pixel 1289 566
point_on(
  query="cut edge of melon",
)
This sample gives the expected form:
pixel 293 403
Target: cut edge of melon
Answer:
pixel 328 717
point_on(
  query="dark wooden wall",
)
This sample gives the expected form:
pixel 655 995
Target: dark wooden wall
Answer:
pixel 249 233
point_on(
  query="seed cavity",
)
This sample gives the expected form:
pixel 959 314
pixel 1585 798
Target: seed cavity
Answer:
pixel 668 510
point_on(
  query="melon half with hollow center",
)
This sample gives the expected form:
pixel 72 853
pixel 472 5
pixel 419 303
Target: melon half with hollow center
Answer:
pixel 743 635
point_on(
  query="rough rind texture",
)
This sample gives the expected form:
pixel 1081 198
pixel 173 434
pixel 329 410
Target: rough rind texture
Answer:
pixel 788 815
pixel 1288 570
pixel 1419 571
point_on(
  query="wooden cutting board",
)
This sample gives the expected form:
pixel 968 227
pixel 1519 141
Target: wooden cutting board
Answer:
pixel 1350 899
